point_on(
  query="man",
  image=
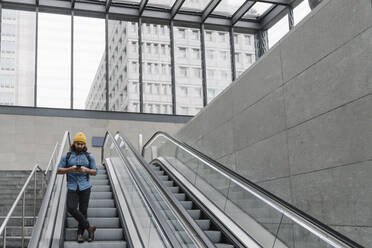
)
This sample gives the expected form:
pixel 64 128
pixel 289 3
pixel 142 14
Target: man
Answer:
pixel 78 164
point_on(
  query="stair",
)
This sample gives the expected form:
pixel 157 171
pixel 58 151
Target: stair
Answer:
pixel 102 213
pixel 11 183
pixel 210 229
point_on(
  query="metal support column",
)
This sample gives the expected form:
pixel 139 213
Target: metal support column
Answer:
pixel 173 68
pixel 36 53
pixel 107 61
pixel 261 43
pixel 72 61
pixel 140 67
pixel 23 218
pixel 232 54
pixel 35 185
pixel 290 18
pixel 203 64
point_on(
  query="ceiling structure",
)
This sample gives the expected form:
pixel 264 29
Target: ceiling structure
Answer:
pixel 245 14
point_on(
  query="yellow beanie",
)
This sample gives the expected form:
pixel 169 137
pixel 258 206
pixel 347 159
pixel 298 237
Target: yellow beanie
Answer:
pixel 80 137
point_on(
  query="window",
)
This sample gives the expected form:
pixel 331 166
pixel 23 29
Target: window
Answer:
pixel 163 50
pixel 237 57
pixel 195 53
pixel 236 39
pixel 156 49
pixel 223 55
pixel 210 73
pixel 183 71
pixel 148 48
pixel 248 40
pixel 210 54
pixel 301 11
pixel 276 32
pixel 54 61
pixel 248 58
pixel 208 36
pixel 197 72
pixel 134 47
pixel 222 37
pixel 89 46
pixel 182 33
pixel 195 34
pixel 182 52
pixel 183 91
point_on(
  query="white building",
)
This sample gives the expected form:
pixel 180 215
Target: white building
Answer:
pixel 157 98
pixel 17 58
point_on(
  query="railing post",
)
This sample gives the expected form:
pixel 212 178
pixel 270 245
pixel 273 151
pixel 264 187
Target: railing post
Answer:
pixel 35 196
pixel 23 218
pixel 4 238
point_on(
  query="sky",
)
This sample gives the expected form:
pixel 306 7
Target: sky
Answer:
pixel 54 53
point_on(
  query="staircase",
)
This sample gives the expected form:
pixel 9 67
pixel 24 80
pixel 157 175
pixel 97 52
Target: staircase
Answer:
pixel 102 213
pixel 210 229
pixel 11 183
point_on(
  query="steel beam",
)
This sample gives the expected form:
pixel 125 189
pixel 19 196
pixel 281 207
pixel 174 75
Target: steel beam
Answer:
pixel 175 8
pixel 273 16
pixel 291 18
pixel 232 54
pixel 241 11
pixel 209 9
pixel 140 67
pixel 261 43
pixel 36 52
pixel 72 62
pixel 279 2
pixel 142 6
pixel 107 62
pixel 173 67
pixel 203 65
pixel 108 5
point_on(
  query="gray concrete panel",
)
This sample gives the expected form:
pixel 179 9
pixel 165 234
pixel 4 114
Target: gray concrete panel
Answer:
pixel 340 137
pixel 219 142
pixel 337 22
pixel 264 160
pixel 337 196
pixel 361 233
pixel 339 78
pixel 258 81
pixel 262 120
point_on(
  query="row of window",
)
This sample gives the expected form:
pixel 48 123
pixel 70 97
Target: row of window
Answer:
pixel 7 81
pixel 8 46
pixel 7 64
pixel 6 98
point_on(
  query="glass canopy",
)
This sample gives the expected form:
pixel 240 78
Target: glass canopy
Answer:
pixel 228 7
pixel 258 9
pixel 192 5
pixel 167 4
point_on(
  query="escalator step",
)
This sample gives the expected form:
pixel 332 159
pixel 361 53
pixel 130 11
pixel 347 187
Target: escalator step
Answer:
pixel 100 176
pixel 100 234
pixel 96 244
pixel 164 178
pixel 101 203
pixel 169 183
pixel 101 212
pixel 101 188
pixel 101 195
pixel 204 224
pixel 159 172
pixel 101 167
pixel 180 196
pixel 174 189
pixel 194 213
pixel 186 204
pixel 214 236
pixel 223 245
pixel 112 222
pixel 100 181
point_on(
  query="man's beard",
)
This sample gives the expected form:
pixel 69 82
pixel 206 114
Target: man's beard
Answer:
pixel 78 149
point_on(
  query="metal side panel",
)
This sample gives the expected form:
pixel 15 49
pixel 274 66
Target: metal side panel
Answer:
pixel 124 212
pixel 60 219
pixel 220 215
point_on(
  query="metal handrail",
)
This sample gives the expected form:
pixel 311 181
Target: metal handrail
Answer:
pixel 172 241
pixel 36 232
pixel 21 194
pixel 51 159
pixel 316 227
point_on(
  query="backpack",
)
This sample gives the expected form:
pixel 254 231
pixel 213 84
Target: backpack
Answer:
pixel 86 155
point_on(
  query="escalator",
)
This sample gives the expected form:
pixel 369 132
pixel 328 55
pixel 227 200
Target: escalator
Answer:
pixel 172 195
pixel 103 213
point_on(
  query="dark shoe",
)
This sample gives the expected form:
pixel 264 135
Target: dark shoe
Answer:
pixel 80 238
pixel 91 230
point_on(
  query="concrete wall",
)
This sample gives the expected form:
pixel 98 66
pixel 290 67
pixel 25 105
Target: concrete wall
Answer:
pixel 26 140
pixel 299 121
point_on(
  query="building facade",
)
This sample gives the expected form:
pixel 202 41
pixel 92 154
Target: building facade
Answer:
pixel 17 58
pixel 124 68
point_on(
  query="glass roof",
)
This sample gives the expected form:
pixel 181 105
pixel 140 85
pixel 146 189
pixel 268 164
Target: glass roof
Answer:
pixel 258 9
pixel 195 5
pixel 127 1
pixel 228 7
pixel 167 4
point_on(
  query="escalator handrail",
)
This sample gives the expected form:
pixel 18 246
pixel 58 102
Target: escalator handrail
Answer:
pixel 36 232
pixel 200 234
pixel 168 234
pixel 320 229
